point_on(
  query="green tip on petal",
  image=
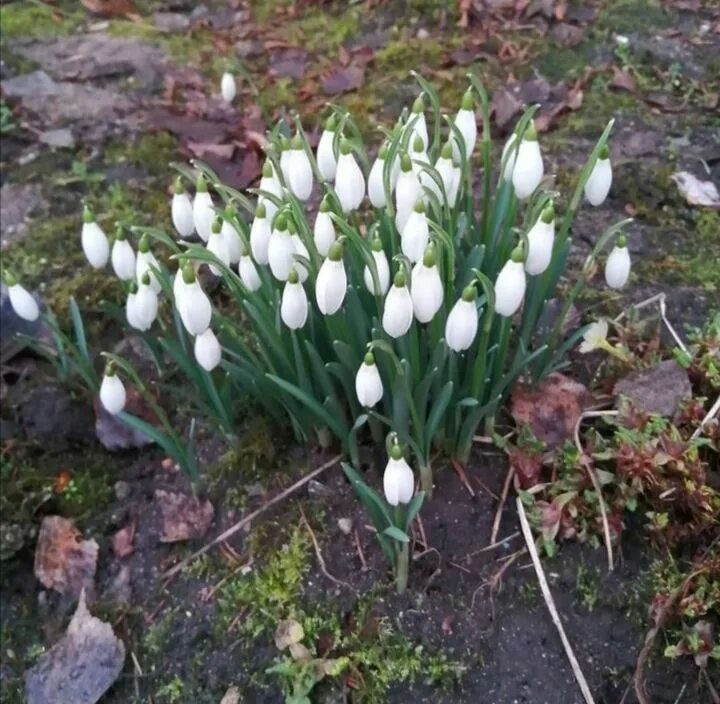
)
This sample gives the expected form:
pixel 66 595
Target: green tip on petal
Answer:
pixel 382 154
pixel 260 211
pixel 188 274
pixel 144 244
pixel 405 162
pixel 201 185
pixel 430 256
pixel 396 452
pixel 133 287
pixel 419 206
pixel 281 222
pixel 469 294
pixel 419 104
pixel 377 245
pixel 345 147
pixel 119 233
pixel 216 225
pixel 468 100
pixel 110 369
pixel 284 143
pixel 336 251
pixel 621 241
pixel 297 142
pixel 88 214
pixel 292 228
pixel 331 123
pixel 324 205
pixel 604 152
pixel 517 255
pixel 146 279
pixel 267 171
pixel 548 215
pixel 293 277
pixel 447 151
pixel 179 187
pixel 9 277
pixel 369 359
pixel 418 144
pixel 530 132
pixel 399 279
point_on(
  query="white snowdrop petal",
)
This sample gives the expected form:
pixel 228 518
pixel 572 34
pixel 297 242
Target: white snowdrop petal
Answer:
pixel 510 288
pixel 330 286
pixel 203 214
pixel 249 273
pixel 260 239
pixel 323 233
pixel 327 164
pixel 294 306
pixel 280 254
pixel 23 303
pixel 146 263
pixel 407 193
pixel 208 352
pixel 112 394
pixel 376 187
pixel 228 88
pixel 95 245
pixel 599 182
pixel 398 482
pixel 122 259
pixel 398 311
pixel 181 211
pixel 540 247
pixel 529 169
pixel 461 325
pixel 426 291
pixel 349 183
pixel 233 242
pixel 617 267
pixel 383 273
pixel 146 306
pixel 300 249
pixel 368 385
pixel 195 309
pixel 415 236
pixel 300 178
pixel 465 122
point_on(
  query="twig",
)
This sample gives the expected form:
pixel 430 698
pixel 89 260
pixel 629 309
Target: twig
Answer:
pixel 492 546
pixel 360 552
pixel 501 505
pixel 213 590
pixel 658 298
pixel 710 415
pixel 251 516
pixel 421 528
pixel 545 589
pixel 713 692
pixel 680 696
pixel 137 670
pixel 495 578
pixel 463 477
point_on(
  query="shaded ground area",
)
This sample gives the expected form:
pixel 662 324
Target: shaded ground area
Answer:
pixel 97 106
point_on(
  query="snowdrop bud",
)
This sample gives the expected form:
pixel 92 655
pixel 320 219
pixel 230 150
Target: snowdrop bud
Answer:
pixel 300 176
pixel 280 249
pixel 270 184
pixel 449 174
pixel 600 180
pixel 467 125
pixel 462 323
pixel 398 312
pixel 294 303
pixel 300 249
pixel 376 185
pixel 510 285
pixel 398 479
pixel 94 242
pixel 178 284
pixel 21 300
pixel 249 273
pixel 203 212
pixel 232 237
pixel 509 157
pixel 349 179
pixel 326 161
pixel 415 235
pixel 617 267
pixel 122 257
pixel 207 350
pixel 131 308
pixel 260 235
pixel 181 211
pixel 417 117
pixel 331 282
pixel 228 89
pixel 407 192
pixel 368 384
pixel 218 246
pixel 419 158
pixel 540 240
pixel 383 270
pixel 146 303
pixel 529 169
pixel 146 263
pixel 112 391
pixel 426 289
pixel 324 230
pixel 195 309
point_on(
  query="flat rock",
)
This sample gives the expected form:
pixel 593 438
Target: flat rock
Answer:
pixel 51 417
pixel 171 22
pixel 658 390
pixel 18 201
pixel 29 84
pixel 61 138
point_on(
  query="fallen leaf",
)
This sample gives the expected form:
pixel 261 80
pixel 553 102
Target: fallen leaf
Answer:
pixel 695 191
pixel 344 56
pixel 287 633
pixel 183 517
pixel 622 78
pixel 122 541
pixel 504 106
pixel 81 666
pixel 567 34
pixel 509 100
pixel 232 696
pixel 63 560
pixel 288 63
pixel 550 409
pixel 202 150
pixel 527 466
pixel 343 80
pixel 111 8
pixel 658 390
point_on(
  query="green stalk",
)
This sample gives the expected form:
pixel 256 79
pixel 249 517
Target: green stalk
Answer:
pixel 402 567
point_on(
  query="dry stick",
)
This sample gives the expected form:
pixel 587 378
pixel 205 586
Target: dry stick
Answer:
pixel 710 415
pixel 501 505
pixel 495 579
pixel 463 477
pixel 137 670
pixel 244 521
pixel 527 533
pixel 360 552
pixel 492 546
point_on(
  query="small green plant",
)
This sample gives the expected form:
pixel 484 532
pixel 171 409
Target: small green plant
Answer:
pixel 7 124
pixel 586 586
pixel 172 692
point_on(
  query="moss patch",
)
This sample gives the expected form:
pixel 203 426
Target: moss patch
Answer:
pixel 26 20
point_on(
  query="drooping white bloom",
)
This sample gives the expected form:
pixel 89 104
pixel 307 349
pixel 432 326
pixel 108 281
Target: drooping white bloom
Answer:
pixel 368 384
pixel 417 122
pixel 178 285
pixel 540 240
pixel 416 234
pixel 280 249
pixel 270 183
pixel 94 241
pixel 228 89
pixel 217 245
pixel 203 211
pixel 426 288
pixel 146 263
pixel 249 273
pixel 509 157
pixel 146 304
pixel 398 479
pixel 131 308
pixel 232 239
pixel 383 270
pixel 449 175
pixel 462 323
pixel 294 303
pixel 181 211
pixel 407 192
pixel 194 306
pixel 324 230
pixel 398 311
pixel 529 168
pixel 510 285
pixel 299 250
pixel 260 235
pixel 376 185
pixel 326 161
pixel 598 184
pixel 207 350
pixel 331 282
pixel 21 300
pixel 112 392
pixel 594 336
pixel 349 180
pixel 467 125
pixel 122 257
pixel 617 267
pixel 299 176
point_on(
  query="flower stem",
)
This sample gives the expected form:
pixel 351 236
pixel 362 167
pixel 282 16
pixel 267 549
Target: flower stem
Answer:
pixel 402 566
pixel 426 479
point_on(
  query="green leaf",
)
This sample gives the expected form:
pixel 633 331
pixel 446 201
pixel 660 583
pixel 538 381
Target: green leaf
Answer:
pixel 375 506
pixel 396 534
pixel 438 410
pixel 413 508
pixel 79 329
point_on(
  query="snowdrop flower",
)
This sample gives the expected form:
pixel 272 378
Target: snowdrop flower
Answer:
pixel 324 230
pixel 331 282
pixel 94 241
pixel 398 478
pixel 540 240
pixel 419 124
pixel 398 312
pixel 426 288
pixel 207 350
pixel 349 179
pixel 228 89
pixel 462 323
pixel 415 235
pixel 368 384
pixel 467 125
pixel 179 284
pixel 122 257
pixel 595 337
pixel 285 159
pixel 598 184
pixel 269 183
pixel 112 391
pixel 146 263
pixel 248 272
pixel 326 161
pixel 195 309
pixel 376 184
pixel 509 157
pixel 407 192
pixel 510 285
pixel 217 245
pixel 146 303
pixel 300 176
pixel 131 307
pixel 299 249
pixel 203 211
pixel 617 267
pixel 21 300
pixel 260 235
pixel 181 211
pixel 529 169
pixel 280 249
pixel 383 270
pixel 449 174
pixel 294 303
pixel 229 233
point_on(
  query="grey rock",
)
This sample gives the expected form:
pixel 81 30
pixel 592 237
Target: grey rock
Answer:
pixel 52 417
pixel 658 390
pixel 18 201
pixel 37 83
pixel 61 138
pixel 171 22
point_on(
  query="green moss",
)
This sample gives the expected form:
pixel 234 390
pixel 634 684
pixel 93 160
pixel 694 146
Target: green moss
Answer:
pixel 628 15
pixel 319 29
pixel 30 20
pixel 405 52
pixel 562 64
pixel 152 151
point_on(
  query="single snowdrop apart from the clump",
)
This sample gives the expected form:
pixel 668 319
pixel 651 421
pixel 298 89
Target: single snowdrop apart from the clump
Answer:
pixel 228 88
pixel 324 229
pixel 281 248
pixel 181 211
pixel 326 160
pixel 529 169
pixel 368 384
pixel 260 235
pixel 376 179
pixel 382 267
pixel 232 238
pixel 398 311
pixel 248 272
pixel 462 322
pixel 195 309
pixel 398 478
pixel 617 267
pixel 426 288
pixel 269 183
pixel 294 303
pixel 94 241
pixel 300 176
pixel 146 263
pixel 598 184
pixel 510 285
pixel 540 240
pixel 208 352
pixel 21 300
pixel 467 125
pixel 508 158
pixel 112 391
pixel 449 174
pixel 217 245
pixel 416 234
pixel 595 337
pixel 349 179
pixel 146 303
pixel 203 211
pixel 417 122
pixel 331 282
pixel 122 256
pixel 407 192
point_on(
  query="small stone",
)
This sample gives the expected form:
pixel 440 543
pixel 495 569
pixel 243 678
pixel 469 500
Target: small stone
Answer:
pixel 658 390
pixel 345 525
pixel 171 22
pixel 61 138
pixel 422 33
pixel 122 490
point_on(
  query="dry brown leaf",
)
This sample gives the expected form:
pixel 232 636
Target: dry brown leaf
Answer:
pixel 122 541
pixel 111 8
pixel 183 517
pixel 623 79
pixel 527 466
pixel 343 80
